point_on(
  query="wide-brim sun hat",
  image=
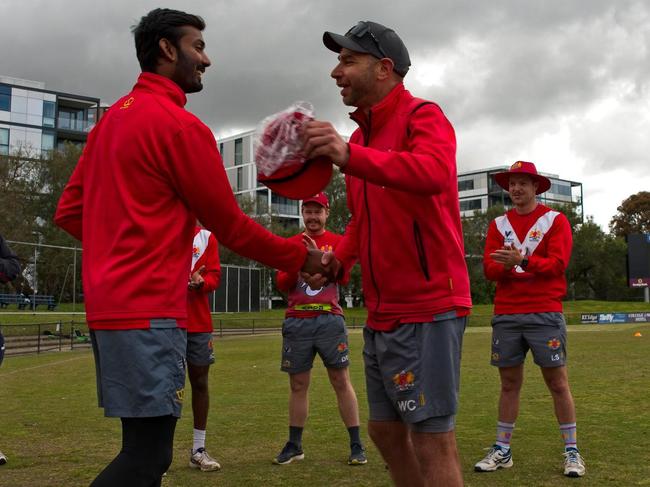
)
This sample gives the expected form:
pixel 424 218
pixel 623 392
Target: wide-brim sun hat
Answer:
pixel 527 168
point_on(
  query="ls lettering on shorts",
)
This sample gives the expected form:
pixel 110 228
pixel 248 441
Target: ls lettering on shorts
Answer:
pixel 542 333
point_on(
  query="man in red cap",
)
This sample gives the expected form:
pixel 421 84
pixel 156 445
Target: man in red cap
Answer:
pixel 314 324
pixel 400 168
pixel 527 252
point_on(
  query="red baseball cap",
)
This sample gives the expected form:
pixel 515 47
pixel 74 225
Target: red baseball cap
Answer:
pixel 296 178
pixel 523 167
pixel 319 198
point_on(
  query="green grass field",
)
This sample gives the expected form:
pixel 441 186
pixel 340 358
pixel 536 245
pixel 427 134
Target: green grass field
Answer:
pixel 481 314
pixel 54 434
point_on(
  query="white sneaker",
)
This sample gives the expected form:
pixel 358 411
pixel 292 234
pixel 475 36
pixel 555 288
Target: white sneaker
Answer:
pixel 574 464
pixel 496 458
pixel 201 459
pixel 3 458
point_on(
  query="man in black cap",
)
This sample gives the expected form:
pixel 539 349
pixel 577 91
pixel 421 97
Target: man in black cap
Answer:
pixel 400 168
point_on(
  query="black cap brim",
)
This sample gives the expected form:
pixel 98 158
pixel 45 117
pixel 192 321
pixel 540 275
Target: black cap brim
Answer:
pixel 336 42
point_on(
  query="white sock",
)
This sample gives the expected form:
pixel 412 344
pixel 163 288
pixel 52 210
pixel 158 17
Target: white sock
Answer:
pixel 199 440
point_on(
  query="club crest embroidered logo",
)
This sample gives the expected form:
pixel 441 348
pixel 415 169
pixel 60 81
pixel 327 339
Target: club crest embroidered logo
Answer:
pixel 495 356
pixel 342 347
pixel 327 248
pixel 195 251
pixel 516 165
pixel 554 344
pixel 535 235
pixel 286 364
pixel 127 103
pixel 210 344
pixel 404 380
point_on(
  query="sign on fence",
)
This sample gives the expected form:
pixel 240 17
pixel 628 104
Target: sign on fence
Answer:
pixel 613 318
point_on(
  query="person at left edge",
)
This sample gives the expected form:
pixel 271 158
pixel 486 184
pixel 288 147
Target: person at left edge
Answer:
pixel 9 270
pixel 149 170
pixel 204 279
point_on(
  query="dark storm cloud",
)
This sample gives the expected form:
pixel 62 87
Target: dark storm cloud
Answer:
pixel 536 57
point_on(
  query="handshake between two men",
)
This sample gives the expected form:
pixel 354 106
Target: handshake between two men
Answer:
pixel 320 268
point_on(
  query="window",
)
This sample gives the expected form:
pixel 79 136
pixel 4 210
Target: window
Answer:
pixel 71 119
pixel 561 188
pixel 465 184
pixel 47 142
pixel 240 178
pixel 49 110
pixel 239 151
pixel 468 205
pixel 283 206
pixel 5 98
pixel 4 141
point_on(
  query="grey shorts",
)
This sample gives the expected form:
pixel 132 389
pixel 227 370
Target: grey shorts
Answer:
pixel 413 373
pixel 543 333
pixel 199 349
pixel 140 373
pixel 303 338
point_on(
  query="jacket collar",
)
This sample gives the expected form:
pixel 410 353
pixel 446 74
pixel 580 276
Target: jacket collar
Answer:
pixel 161 85
pixel 382 111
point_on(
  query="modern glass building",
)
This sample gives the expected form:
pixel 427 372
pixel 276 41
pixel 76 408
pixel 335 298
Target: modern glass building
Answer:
pixel 237 154
pixel 37 120
pixel 478 191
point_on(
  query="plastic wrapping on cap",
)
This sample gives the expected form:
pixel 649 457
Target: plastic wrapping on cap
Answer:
pixel 277 141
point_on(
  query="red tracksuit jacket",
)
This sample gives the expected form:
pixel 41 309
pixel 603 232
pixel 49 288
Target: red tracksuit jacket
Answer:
pixel 405 226
pixel 205 252
pixel 542 286
pixel 149 170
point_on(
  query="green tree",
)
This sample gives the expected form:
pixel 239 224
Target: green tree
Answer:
pixel 474 233
pixel 633 215
pixel 30 187
pixel 597 267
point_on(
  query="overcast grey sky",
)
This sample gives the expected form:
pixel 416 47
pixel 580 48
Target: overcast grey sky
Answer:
pixel 562 83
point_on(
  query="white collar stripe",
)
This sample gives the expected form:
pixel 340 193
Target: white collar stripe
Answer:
pixel 199 245
pixel 534 235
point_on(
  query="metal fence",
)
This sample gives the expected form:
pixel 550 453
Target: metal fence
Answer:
pixel 56 336
pixel 55 270
pixel 52 270
pixel 60 336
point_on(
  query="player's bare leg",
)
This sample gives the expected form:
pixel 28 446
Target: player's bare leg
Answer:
pixel 198 375
pixel 349 410
pixel 557 381
pixel 394 443
pixel 345 395
pixel 199 458
pixel 298 411
pixel 437 454
pixel 512 378
pixel 299 398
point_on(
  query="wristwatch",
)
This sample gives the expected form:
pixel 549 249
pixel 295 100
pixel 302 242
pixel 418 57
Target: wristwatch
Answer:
pixel 524 263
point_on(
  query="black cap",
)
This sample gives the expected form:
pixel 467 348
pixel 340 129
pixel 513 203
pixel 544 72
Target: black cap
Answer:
pixel 372 38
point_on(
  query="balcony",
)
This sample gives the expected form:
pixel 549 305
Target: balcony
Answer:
pixel 74 125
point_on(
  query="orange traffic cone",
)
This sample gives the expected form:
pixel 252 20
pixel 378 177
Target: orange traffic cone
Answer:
pixel 638 334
